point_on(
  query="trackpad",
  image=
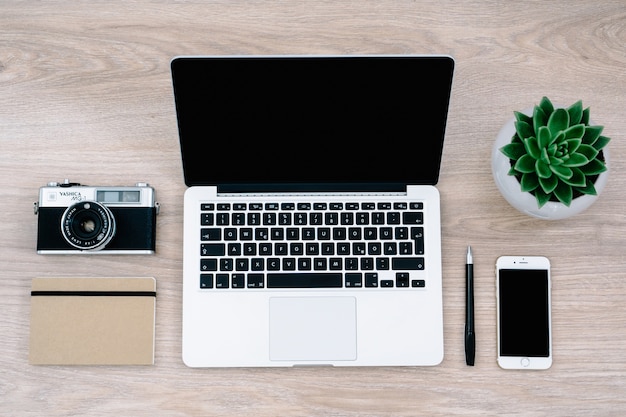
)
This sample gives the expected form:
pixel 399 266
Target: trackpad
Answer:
pixel 312 328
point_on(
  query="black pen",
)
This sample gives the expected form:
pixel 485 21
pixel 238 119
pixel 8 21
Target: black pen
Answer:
pixel 470 337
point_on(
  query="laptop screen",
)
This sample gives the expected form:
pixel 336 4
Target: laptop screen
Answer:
pixel 268 123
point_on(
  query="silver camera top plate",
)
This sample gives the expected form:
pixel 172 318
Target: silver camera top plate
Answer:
pixel 66 194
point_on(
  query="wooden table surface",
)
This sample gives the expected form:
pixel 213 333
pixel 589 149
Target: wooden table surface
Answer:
pixel 86 95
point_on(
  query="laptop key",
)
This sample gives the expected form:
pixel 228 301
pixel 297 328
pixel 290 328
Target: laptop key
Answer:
pixel 407 264
pixel 242 264
pixel 335 263
pixel 405 248
pixel 256 281
pixel 371 280
pixel 304 264
pixel 207 219
pixel 221 281
pixel 402 279
pixel 234 249
pixel 304 280
pixel 393 217
pixel 320 264
pixel 211 234
pixel 413 217
pixel 212 249
pixel 237 281
pixel 417 233
pixel 208 264
pixel 354 280
pixel 206 280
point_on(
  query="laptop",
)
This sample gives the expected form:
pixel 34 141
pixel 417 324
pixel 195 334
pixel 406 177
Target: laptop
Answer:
pixel 311 219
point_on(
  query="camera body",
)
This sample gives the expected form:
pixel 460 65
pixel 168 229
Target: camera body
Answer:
pixel 77 219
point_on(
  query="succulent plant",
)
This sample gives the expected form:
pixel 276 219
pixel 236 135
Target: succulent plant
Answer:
pixel 555 154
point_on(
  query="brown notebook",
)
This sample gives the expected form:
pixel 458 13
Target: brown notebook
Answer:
pixel 92 321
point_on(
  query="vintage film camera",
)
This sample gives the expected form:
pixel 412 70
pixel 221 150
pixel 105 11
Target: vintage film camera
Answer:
pixel 76 219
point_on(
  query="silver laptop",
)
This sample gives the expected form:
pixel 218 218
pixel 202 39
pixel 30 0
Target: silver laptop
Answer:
pixel 312 222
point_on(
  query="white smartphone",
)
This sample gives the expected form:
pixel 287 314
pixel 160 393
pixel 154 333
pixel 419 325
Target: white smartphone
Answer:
pixel 524 316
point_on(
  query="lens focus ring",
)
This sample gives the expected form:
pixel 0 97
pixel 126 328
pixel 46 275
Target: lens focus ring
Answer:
pixel 88 225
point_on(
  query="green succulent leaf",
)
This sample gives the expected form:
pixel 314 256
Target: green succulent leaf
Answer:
pixel 548 184
pixel 557 161
pixel 516 139
pixel 562 172
pixel 578 179
pixel 521 117
pixel 587 189
pixel 525 164
pixel 564 193
pixel 575 112
pixel 529 182
pixel 539 119
pixel 573 145
pixel 545 156
pixel 544 137
pixel 532 147
pixel 601 142
pixel 592 133
pixel 576 160
pixel 524 130
pixel 558 121
pixel 552 149
pixel 559 139
pixel 514 150
pixel 542 169
pixel 585 119
pixel 541 197
pixel 546 105
pixel 589 151
pixel 575 132
pixel 594 167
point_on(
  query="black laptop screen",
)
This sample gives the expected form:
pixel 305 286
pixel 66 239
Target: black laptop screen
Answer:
pixel 311 122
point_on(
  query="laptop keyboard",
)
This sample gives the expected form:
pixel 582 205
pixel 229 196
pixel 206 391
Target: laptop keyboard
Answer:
pixel 311 245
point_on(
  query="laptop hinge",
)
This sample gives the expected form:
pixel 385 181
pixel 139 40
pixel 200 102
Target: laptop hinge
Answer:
pixel 313 188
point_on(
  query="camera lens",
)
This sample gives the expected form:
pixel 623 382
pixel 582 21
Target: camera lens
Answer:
pixel 88 225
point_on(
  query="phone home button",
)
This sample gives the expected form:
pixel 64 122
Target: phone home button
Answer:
pixel 525 362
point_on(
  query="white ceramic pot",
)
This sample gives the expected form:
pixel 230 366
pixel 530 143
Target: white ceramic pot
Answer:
pixel 525 202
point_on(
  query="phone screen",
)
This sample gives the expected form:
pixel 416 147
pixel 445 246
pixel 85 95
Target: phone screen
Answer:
pixel 524 312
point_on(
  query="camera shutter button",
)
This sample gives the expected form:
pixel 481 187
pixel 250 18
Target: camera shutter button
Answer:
pixel 66 183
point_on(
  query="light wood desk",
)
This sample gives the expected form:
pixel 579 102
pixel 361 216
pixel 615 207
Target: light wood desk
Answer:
pixel 86 95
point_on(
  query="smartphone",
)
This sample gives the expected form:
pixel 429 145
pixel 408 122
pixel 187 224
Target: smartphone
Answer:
pixel 524 314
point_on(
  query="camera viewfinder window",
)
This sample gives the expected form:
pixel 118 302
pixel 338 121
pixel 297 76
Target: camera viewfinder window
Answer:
pixel 118 196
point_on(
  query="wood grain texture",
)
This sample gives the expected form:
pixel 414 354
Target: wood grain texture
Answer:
pixel 86 94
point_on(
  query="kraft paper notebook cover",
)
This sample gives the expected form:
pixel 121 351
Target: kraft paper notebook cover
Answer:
pixel 92 321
